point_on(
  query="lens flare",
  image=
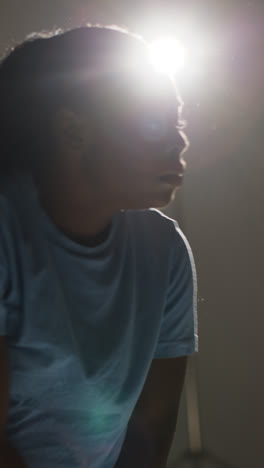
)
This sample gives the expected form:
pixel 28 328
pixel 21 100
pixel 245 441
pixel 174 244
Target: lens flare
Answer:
pixel 167 55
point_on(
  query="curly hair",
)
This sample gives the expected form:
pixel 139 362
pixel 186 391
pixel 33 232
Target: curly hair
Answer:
pixel 52 69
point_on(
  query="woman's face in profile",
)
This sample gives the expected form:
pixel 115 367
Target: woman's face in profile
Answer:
pixel 139 141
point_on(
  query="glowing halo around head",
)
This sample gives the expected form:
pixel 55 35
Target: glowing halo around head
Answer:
pixel 167 55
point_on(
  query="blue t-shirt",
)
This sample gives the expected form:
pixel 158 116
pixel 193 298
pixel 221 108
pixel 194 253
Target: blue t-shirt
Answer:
pixel 83 325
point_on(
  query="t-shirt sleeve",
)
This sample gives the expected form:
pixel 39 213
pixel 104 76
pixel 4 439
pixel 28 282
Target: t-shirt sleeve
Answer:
pixel 179 327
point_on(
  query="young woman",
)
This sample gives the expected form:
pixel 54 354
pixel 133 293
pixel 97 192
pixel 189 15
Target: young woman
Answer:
pixel 97 286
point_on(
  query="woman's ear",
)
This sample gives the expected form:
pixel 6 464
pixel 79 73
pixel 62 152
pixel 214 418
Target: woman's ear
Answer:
pixel 68 128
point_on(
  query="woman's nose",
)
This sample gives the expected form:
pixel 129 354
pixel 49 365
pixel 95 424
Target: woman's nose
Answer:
pixel 177 144
pixel 179 141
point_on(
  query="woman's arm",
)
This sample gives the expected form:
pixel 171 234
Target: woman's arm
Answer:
pixel 9 458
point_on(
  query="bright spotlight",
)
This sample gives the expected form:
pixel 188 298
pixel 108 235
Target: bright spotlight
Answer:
pixel 167 55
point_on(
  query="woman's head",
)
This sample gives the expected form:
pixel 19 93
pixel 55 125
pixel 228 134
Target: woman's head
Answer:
pixel 56 88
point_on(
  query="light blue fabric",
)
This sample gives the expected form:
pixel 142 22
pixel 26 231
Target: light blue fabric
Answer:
pixel 84 323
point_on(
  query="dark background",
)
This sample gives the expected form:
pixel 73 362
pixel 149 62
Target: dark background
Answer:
pixel 220 207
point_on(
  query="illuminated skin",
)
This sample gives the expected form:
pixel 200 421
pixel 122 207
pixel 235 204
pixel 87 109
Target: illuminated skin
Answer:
pixel 116 165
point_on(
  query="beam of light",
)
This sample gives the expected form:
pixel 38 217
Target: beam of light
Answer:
pixel 167 55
